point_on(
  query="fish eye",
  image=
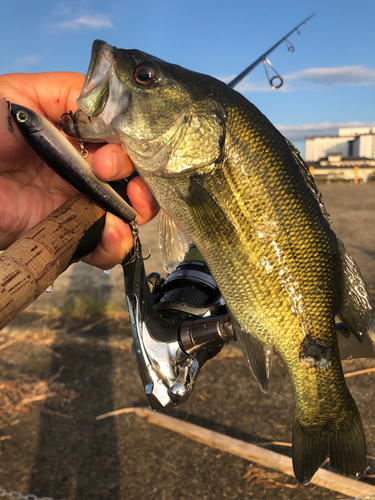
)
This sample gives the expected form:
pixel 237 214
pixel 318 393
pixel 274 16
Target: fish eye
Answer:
pixel 145 74
pixel 22 116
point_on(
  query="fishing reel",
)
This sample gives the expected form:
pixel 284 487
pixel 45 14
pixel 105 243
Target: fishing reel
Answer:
pixel 178 323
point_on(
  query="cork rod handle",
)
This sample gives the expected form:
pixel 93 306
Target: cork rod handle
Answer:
pixel 33 262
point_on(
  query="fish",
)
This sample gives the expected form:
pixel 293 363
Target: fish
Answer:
pixel 63 158
pixel 226 179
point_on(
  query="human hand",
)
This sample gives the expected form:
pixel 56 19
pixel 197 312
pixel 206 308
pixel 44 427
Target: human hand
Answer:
pixel 29 190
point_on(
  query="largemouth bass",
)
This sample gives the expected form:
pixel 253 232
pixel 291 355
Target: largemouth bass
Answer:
pixel 225 177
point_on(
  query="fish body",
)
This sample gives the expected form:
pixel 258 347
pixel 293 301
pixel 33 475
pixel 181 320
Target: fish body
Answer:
pixel 230 181
pixel 60 155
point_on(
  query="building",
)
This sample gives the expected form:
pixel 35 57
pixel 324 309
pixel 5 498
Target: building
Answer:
pixel 350 155
pixel 336 167
pixel 354 141
pixel 364 145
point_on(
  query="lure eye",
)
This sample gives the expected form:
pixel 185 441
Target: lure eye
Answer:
pixel 145 74
pixel 22 116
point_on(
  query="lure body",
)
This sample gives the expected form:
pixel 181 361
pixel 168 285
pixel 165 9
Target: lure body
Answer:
pixel 62 157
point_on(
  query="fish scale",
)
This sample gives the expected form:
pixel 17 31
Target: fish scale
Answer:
pixel 221 171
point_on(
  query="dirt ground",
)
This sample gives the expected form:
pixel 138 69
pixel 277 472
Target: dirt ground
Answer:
pixel 60 373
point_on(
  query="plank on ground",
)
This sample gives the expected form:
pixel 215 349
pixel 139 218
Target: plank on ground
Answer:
pixel 253 453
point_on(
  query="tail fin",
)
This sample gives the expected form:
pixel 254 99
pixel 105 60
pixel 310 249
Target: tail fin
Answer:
pixel 346 448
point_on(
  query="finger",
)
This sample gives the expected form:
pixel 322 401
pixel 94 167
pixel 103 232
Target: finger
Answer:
pixel 50 94
pixel 110 163
pixel 115 243
pixel 142 200
pixel 117 238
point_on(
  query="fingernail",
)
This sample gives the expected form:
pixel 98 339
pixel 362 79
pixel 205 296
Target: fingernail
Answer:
pixel 125 243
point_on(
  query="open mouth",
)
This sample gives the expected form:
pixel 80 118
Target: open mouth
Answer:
pixel 95 92
pixel 103 97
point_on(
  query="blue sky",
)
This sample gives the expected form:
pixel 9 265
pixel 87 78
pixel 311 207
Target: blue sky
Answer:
pixel 329 81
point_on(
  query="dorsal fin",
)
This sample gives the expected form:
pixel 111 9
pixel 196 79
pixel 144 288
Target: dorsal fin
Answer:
pixel 355 310
pixel 309 179
pixel 173 242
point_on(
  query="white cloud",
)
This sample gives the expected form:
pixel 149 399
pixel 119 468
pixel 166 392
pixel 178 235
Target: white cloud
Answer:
pixel 299 132
pixel 90 21
pixel 62 9
pixel 247 86
pixel 23 63
pixel 31 59
pixel 340 76
pixel 318 77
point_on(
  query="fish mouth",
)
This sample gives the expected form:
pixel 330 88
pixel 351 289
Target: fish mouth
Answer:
pixel 95 91
pixel 103 97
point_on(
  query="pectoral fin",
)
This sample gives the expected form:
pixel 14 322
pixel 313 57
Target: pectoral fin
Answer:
pixel 173 242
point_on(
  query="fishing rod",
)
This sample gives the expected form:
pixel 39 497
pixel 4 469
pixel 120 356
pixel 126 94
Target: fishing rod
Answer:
pixel 82 207
pixel 263 58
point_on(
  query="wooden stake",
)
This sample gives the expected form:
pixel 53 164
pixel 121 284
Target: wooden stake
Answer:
pixel 251 452
pixel 359 372
pixel 356 176
pixel 34 261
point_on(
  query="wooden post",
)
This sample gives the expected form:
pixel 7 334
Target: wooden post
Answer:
pixel 35 260
pixel 356 171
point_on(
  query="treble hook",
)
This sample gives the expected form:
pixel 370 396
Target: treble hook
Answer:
pixel 137 253
pixel 80 141
pixel 9 114
pixel 271 80
pixel 289 45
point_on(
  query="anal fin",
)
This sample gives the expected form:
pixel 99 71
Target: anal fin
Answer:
pixel 258 356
